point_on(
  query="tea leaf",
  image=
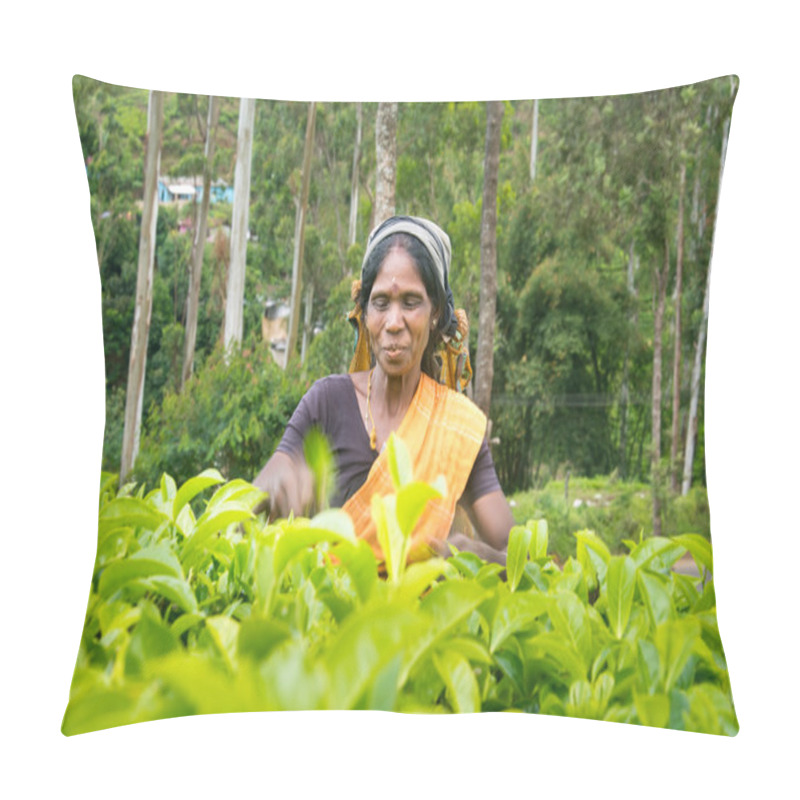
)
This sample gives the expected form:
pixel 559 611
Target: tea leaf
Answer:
pixel 399 461
pixel 700 549
pixel 146 563
pixel 319 457
pixel 620 587
pixel 193 487
pixel 462 688
pixel 519 540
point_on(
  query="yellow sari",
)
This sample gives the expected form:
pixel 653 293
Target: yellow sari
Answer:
pixel 443 431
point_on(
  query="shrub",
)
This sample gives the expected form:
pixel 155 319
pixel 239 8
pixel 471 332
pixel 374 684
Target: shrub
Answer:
pixel 230 416
pixel 220 612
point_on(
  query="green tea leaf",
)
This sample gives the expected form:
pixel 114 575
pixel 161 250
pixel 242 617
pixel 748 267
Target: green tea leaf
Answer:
pixel 648 664
pixel 655 595
pixel 519 541
pixel 145 563
pixel 411 501
pixel 184 622
pixel 657 553
pixel 459 678
pixel 258 637
pixel 559 657
pixel 193 487
pixel 593 555
pixel 570 621
pixel 418 577
pixel 620 587
pixel 150 639
pixel 399 461
pixel 652 709
pixel 224 633
pixel 319 457
pixel 539 540
pixel 176 590
pixel 515 612
pixel 212 521
pixel 361 565
pixel 336 522
pixel 699 547
pixel 470 648
pixel 130 512
pixel 364 645
pixel 100 707
pixel 675 641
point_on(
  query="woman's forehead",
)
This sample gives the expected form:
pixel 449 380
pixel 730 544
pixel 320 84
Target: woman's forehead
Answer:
pixel 398 272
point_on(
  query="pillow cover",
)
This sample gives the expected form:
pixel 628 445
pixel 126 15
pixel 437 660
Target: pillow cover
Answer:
pixel 214 218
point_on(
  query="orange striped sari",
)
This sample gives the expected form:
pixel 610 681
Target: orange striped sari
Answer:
pixel 443 431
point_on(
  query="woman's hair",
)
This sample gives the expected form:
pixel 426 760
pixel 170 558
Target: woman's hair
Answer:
pixel 446 323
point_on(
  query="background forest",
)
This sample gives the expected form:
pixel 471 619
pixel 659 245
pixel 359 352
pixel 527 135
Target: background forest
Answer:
pixel 604 228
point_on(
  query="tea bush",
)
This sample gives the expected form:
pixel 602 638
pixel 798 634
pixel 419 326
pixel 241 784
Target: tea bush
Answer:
pixel 214 610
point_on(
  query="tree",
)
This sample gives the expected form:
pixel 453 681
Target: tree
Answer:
pixel 352 228
pixel 534 139
pixel 676 358
pixel 234 298
pixel 484 362
pixel 199 243
pixel 386 161
pixel 144 287
pixel 299 235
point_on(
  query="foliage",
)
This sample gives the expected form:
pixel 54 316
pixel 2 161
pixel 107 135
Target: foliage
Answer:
pixel 578 248
pixel 617 510
pixel 231 415
pixel 200 608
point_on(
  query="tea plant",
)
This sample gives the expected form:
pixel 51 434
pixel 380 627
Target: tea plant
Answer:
pixel 197 611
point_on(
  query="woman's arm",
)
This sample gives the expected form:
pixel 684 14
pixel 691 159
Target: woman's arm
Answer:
pixel 492 519
pixel 288 482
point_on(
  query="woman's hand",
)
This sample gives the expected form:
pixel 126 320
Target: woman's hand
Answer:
pixel 290 485
pixel 463 543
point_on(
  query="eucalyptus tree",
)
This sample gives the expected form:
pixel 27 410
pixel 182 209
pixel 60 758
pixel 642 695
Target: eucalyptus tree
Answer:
pixel 484 362
pixel 299 234
pixel 386 161
pixel 144 287
pixel 234 296
pixel 198 243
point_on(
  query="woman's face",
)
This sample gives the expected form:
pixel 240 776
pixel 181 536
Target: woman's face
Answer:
pixel 399 314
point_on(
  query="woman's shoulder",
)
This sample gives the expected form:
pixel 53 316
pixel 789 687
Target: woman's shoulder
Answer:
pixel 455 399
pixel 331 386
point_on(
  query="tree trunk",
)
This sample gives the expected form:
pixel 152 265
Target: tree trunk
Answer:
pixel 484 362
pixel 386 161
pixel 658 326
pixel 234 296
pixel 299 235
pixel 625 390
pixel 352 231
pixel 534 139
pixel 144 288
pixel 307 322
pixel 676 359
pixel 199 244
pixel 697 367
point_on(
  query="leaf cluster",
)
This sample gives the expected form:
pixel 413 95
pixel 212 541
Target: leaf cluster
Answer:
pixel 202 607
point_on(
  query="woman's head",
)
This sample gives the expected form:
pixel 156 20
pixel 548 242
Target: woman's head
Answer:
pixel 428 248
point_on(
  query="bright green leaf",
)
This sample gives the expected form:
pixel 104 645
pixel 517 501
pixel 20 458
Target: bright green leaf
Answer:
pixel 519 540
pixel 620 587
pixel 459 678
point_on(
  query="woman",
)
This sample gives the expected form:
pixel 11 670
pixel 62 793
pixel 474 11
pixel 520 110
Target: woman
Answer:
pixel 405 317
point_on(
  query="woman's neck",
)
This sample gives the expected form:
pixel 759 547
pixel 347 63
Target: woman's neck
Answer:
pixel 394 392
